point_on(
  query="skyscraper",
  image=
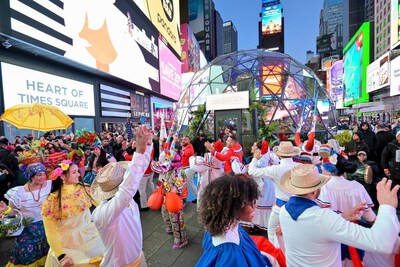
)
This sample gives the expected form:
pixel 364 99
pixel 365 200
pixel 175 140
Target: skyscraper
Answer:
pixel 219 34
pixel 382 27
pixel 230 37
pixel 330 40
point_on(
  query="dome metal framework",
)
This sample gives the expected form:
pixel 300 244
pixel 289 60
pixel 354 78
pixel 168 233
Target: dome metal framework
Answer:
pixel 285 90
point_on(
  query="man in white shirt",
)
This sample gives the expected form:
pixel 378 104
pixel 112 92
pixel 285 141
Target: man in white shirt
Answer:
pixel 312 235
pixel 285 151
pixel 117 216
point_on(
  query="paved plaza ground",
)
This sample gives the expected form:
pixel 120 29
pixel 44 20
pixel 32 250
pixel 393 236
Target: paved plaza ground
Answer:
pixel 157 244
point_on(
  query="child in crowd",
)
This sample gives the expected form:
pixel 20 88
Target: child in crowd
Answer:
pixel 173 179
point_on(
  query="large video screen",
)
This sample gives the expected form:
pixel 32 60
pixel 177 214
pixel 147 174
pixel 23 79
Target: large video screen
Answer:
pixel 356 59
pixel 196 18
pixel 170 72
pixel 378 73
pixel 271 21
pixel 395 23
pixel 190 55
pixel 112 36
pixel 164 14
pixel 335 74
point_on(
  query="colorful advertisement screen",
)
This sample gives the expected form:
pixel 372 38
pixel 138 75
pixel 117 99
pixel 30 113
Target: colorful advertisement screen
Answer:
pixel 395 23
pixel 190 55
pixel 196 18
pixel 336 82
pixel 170 72
pixel 112 36
pixel 272 81
pixel 271 21
pixel 164 14
pixel 356 59
pixel 378 73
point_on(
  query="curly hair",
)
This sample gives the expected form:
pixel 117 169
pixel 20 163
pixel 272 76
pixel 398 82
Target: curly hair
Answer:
pixel 223 201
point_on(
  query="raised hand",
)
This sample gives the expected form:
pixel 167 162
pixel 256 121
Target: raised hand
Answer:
pixel 209 146
pixel 143 138
pixel 385 195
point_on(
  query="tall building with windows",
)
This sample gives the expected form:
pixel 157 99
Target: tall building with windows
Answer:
pixel 369 10
pixel 219 34
pixel 382 27
pixel 330 40
pixel 230 37
pixel 355 13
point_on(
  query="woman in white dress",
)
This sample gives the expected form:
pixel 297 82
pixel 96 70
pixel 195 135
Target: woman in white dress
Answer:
pixel 31 247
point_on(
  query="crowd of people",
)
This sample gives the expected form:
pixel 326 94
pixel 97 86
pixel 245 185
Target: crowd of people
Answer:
pixel 295 204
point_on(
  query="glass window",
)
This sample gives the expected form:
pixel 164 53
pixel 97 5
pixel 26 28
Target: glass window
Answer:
pixel 84 123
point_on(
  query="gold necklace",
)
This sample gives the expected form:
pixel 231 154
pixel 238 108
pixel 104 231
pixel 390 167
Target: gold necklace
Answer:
pixel 40 189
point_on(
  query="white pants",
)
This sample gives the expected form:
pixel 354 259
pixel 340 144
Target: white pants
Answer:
pixel 146 187
pixel 273 223
pixel 190 180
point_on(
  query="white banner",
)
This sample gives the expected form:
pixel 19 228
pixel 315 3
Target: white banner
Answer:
pixel 227 101
pixel 25 86
pixel 395 76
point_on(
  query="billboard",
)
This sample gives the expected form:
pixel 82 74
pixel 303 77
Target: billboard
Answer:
pixel 395 76
pixel 170 72
pixel 164 14
pixel 335 85
pixel 378 73
pixel 395 23
pixel 112 36
pixel 326 43
pixel 26 86
pixel 269 2
pixel 356 58
pixel 327 62
pixel 196 18
pixel 271 19
pixel 272 80
pixel 190 55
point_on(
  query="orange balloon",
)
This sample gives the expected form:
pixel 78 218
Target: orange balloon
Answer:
pixel 173 203
pixel 156 199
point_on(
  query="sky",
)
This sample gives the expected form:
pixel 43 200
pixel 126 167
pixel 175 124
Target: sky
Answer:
pixel 301 23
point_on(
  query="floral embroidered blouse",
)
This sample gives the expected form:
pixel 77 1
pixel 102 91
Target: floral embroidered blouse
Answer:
pixel 74 201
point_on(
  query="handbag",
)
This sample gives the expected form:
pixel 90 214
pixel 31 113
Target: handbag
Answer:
pixel 156 199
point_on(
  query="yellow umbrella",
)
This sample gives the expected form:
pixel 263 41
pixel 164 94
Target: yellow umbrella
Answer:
pixel 37 117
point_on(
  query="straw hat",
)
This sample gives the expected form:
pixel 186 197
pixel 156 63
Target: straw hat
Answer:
pixel 303 179
pixel 107 181
pixel 287 149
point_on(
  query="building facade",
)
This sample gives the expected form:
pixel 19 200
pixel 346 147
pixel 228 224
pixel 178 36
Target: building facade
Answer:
pixel 382 27
pixel 55 58
pixel 330 40
pixel 230 37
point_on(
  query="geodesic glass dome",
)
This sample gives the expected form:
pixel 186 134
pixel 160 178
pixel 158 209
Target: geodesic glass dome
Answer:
pixel 284 91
